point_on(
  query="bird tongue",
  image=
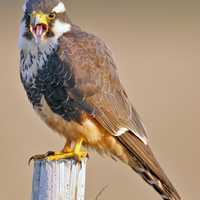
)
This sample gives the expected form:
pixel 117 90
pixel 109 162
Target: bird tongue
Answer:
pixel 39 30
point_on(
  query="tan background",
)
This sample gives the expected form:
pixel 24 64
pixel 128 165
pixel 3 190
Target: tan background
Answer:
pixel 157 48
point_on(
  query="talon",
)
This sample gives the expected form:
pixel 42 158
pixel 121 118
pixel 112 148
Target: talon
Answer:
pixel 67 153
pixel 30 160
pixel 59 156
pixel 40 157
pixel 80 155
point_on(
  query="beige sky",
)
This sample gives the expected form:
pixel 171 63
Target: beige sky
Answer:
pixel 157 47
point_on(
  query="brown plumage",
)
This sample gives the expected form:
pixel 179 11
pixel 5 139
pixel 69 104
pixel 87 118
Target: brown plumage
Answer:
pixel 77 92
pixel 142 160
pixel 96 77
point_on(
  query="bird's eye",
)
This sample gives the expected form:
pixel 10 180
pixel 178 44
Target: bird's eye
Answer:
pixel 52 16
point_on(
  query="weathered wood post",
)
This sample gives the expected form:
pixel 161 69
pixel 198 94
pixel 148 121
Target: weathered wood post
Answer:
pixel 59 180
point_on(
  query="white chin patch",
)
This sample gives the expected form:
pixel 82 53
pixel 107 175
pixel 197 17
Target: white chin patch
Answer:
pixel 59 28
pixel 60 8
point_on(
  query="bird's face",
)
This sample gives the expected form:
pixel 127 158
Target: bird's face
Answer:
pixel 43 21
pixel 40 25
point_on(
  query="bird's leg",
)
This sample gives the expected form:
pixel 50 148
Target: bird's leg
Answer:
pixel 75 153
pixel 78 153
pixel 67 149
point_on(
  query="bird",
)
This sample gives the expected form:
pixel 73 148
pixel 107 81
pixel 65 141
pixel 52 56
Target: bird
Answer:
pixel 71 80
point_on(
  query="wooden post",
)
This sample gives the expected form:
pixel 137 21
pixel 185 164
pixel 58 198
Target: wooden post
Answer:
pixel 59 180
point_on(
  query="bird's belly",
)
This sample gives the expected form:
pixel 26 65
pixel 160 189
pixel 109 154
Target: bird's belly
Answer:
pixel 72 129
pixel 94 135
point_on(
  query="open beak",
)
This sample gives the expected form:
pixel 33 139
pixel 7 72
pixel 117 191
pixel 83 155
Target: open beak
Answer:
pixel 39 26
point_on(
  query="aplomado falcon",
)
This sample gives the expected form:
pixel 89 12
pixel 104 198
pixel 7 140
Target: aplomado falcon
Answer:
pixel 71 80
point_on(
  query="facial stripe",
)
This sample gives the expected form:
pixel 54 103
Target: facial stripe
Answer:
pixel 60 8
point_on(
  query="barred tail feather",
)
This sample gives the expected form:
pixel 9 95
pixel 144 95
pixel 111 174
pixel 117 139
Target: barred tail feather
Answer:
pixel 142 160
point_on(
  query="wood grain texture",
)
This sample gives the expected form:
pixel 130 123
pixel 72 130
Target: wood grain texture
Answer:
pixel 59 180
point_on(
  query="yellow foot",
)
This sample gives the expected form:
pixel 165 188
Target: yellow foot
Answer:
pixel 67 153
pixel 78 156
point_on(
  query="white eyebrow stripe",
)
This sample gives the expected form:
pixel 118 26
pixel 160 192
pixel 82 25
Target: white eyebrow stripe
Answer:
pixel 60 8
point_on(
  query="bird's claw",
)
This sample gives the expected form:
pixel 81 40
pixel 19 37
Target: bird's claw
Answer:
pixel 67 153
pixel 78 156
pixel 54 156
pixel 40 157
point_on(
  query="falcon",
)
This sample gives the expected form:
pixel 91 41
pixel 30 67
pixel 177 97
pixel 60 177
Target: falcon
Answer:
pixel 71 80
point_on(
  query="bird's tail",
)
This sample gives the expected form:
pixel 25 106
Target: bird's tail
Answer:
pixel 142 160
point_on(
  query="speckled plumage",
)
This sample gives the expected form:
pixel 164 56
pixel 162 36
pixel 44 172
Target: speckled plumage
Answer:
pixel 72 82
pixel 53 81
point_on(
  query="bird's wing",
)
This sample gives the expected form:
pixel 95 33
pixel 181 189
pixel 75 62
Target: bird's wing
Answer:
pixel 96 79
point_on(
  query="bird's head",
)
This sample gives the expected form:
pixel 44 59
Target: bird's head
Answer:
pixel 43 21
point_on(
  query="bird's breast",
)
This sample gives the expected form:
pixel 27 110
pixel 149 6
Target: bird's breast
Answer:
pixel 72 129
pixel 94 135
pixel 52 80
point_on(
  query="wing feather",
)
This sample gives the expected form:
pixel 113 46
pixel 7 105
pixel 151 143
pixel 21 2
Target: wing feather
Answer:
pixel 96 78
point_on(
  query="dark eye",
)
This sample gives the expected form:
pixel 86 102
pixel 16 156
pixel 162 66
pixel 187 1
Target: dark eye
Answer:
pixel 52 16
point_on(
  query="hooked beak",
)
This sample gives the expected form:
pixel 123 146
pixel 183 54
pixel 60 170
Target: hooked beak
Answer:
pixel 39 25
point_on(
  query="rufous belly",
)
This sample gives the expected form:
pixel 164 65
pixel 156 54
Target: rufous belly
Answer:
pixel 94 135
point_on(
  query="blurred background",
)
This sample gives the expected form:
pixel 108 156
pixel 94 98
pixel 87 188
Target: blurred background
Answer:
pixel 157 46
